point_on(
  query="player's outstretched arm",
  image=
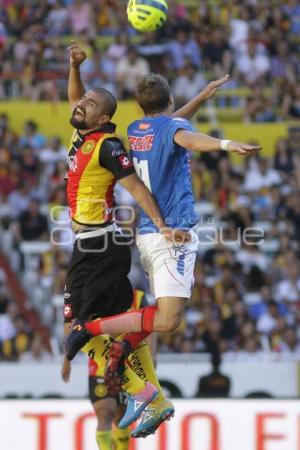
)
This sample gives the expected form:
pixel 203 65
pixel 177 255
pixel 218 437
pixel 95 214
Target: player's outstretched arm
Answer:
pixel 75 86
pixel 203 143
pixel 188 110
pixel 148 203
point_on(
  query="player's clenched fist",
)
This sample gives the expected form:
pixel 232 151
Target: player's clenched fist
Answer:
pixel 77 55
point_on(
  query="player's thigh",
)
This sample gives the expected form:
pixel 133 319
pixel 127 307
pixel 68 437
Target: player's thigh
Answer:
pixel 105 410
pixel 145 261
pixel 75 283
pixel 107 273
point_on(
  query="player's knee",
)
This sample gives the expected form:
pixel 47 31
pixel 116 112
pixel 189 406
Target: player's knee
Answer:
pixel 171 324
pixel 105 416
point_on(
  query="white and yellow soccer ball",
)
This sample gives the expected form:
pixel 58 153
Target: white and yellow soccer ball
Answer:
pixel 147 15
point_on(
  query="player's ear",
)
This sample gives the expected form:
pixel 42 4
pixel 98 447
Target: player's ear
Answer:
pixel 103 120
pixel 171 103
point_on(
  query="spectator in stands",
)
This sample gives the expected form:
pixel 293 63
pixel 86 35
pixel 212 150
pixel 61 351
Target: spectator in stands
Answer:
pixel 283 158
pixel 282 67
pixel 259 107
pixel 254 64
pixel 81 17
pixel 188 84
pixel 293 213
pixel 8 138
pixel 288 289
pixel 58 20
pixel 99 71
pixel 261 176
pixel 267 321
pixel 182 48
pixel 37 352
pixel 217 55
pixel 13 348
pixel 129 70
pixel 291 103
pixel 290 342
pixel 239 26
pixel 7 322
pixel 18 200
pixel 32 225
pixel 52 153
pixel 31 137
pixel 215 384
pixel 118 48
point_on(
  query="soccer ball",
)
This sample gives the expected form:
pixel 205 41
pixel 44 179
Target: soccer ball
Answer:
pixel 147 15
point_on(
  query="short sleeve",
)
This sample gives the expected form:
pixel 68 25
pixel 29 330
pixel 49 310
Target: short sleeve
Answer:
pixel 175 124
pixel 114 158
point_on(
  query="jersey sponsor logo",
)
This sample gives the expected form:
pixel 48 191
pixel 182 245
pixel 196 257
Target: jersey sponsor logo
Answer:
pixel 88 147
pixel 125 161
pixel 141 144
pixel 72 163
pixel 144 126
pixel 117 152
pixel 68 311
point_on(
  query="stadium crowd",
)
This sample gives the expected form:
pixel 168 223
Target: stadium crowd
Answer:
pixel 257 42
pixel 247 281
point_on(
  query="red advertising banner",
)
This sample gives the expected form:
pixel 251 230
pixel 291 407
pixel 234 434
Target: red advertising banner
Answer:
pixel 197 425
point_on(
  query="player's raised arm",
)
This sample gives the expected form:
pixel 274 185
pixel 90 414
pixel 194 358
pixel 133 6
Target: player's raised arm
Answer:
pixel 147 202
pixel 203 143
pixel 75 86
pixel 188 110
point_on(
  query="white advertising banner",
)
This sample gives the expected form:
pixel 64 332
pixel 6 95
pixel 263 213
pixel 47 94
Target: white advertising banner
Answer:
pixel 197 425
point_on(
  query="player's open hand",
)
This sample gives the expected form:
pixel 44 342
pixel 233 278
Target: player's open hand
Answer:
pixel 77 55
pixel 174 235
pixel 66 370
pixel 212 87
pixel 243 149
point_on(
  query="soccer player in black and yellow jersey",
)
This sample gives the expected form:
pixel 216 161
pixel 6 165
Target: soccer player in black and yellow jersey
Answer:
pixel 108 407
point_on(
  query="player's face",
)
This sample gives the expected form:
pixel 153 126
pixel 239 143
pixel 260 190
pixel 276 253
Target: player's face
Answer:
pixel 89 114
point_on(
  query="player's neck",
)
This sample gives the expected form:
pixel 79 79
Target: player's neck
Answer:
pixel 166 112
pixel 108 126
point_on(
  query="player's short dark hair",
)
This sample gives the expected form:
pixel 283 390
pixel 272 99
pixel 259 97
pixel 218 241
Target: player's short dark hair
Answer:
pixel 109 101
pixel 153 94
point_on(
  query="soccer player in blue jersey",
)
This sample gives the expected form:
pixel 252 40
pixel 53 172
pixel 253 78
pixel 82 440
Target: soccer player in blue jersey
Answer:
pixel 159 146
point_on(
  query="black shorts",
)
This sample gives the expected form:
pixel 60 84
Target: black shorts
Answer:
pixel 98 391
pixel 97 284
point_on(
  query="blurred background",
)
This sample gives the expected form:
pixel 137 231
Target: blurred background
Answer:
pixel 245 306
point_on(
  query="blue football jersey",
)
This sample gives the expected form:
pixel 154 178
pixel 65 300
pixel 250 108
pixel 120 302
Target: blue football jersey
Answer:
pixel 164 167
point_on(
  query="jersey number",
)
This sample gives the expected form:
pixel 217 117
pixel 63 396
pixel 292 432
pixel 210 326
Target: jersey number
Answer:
pixel 142 171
